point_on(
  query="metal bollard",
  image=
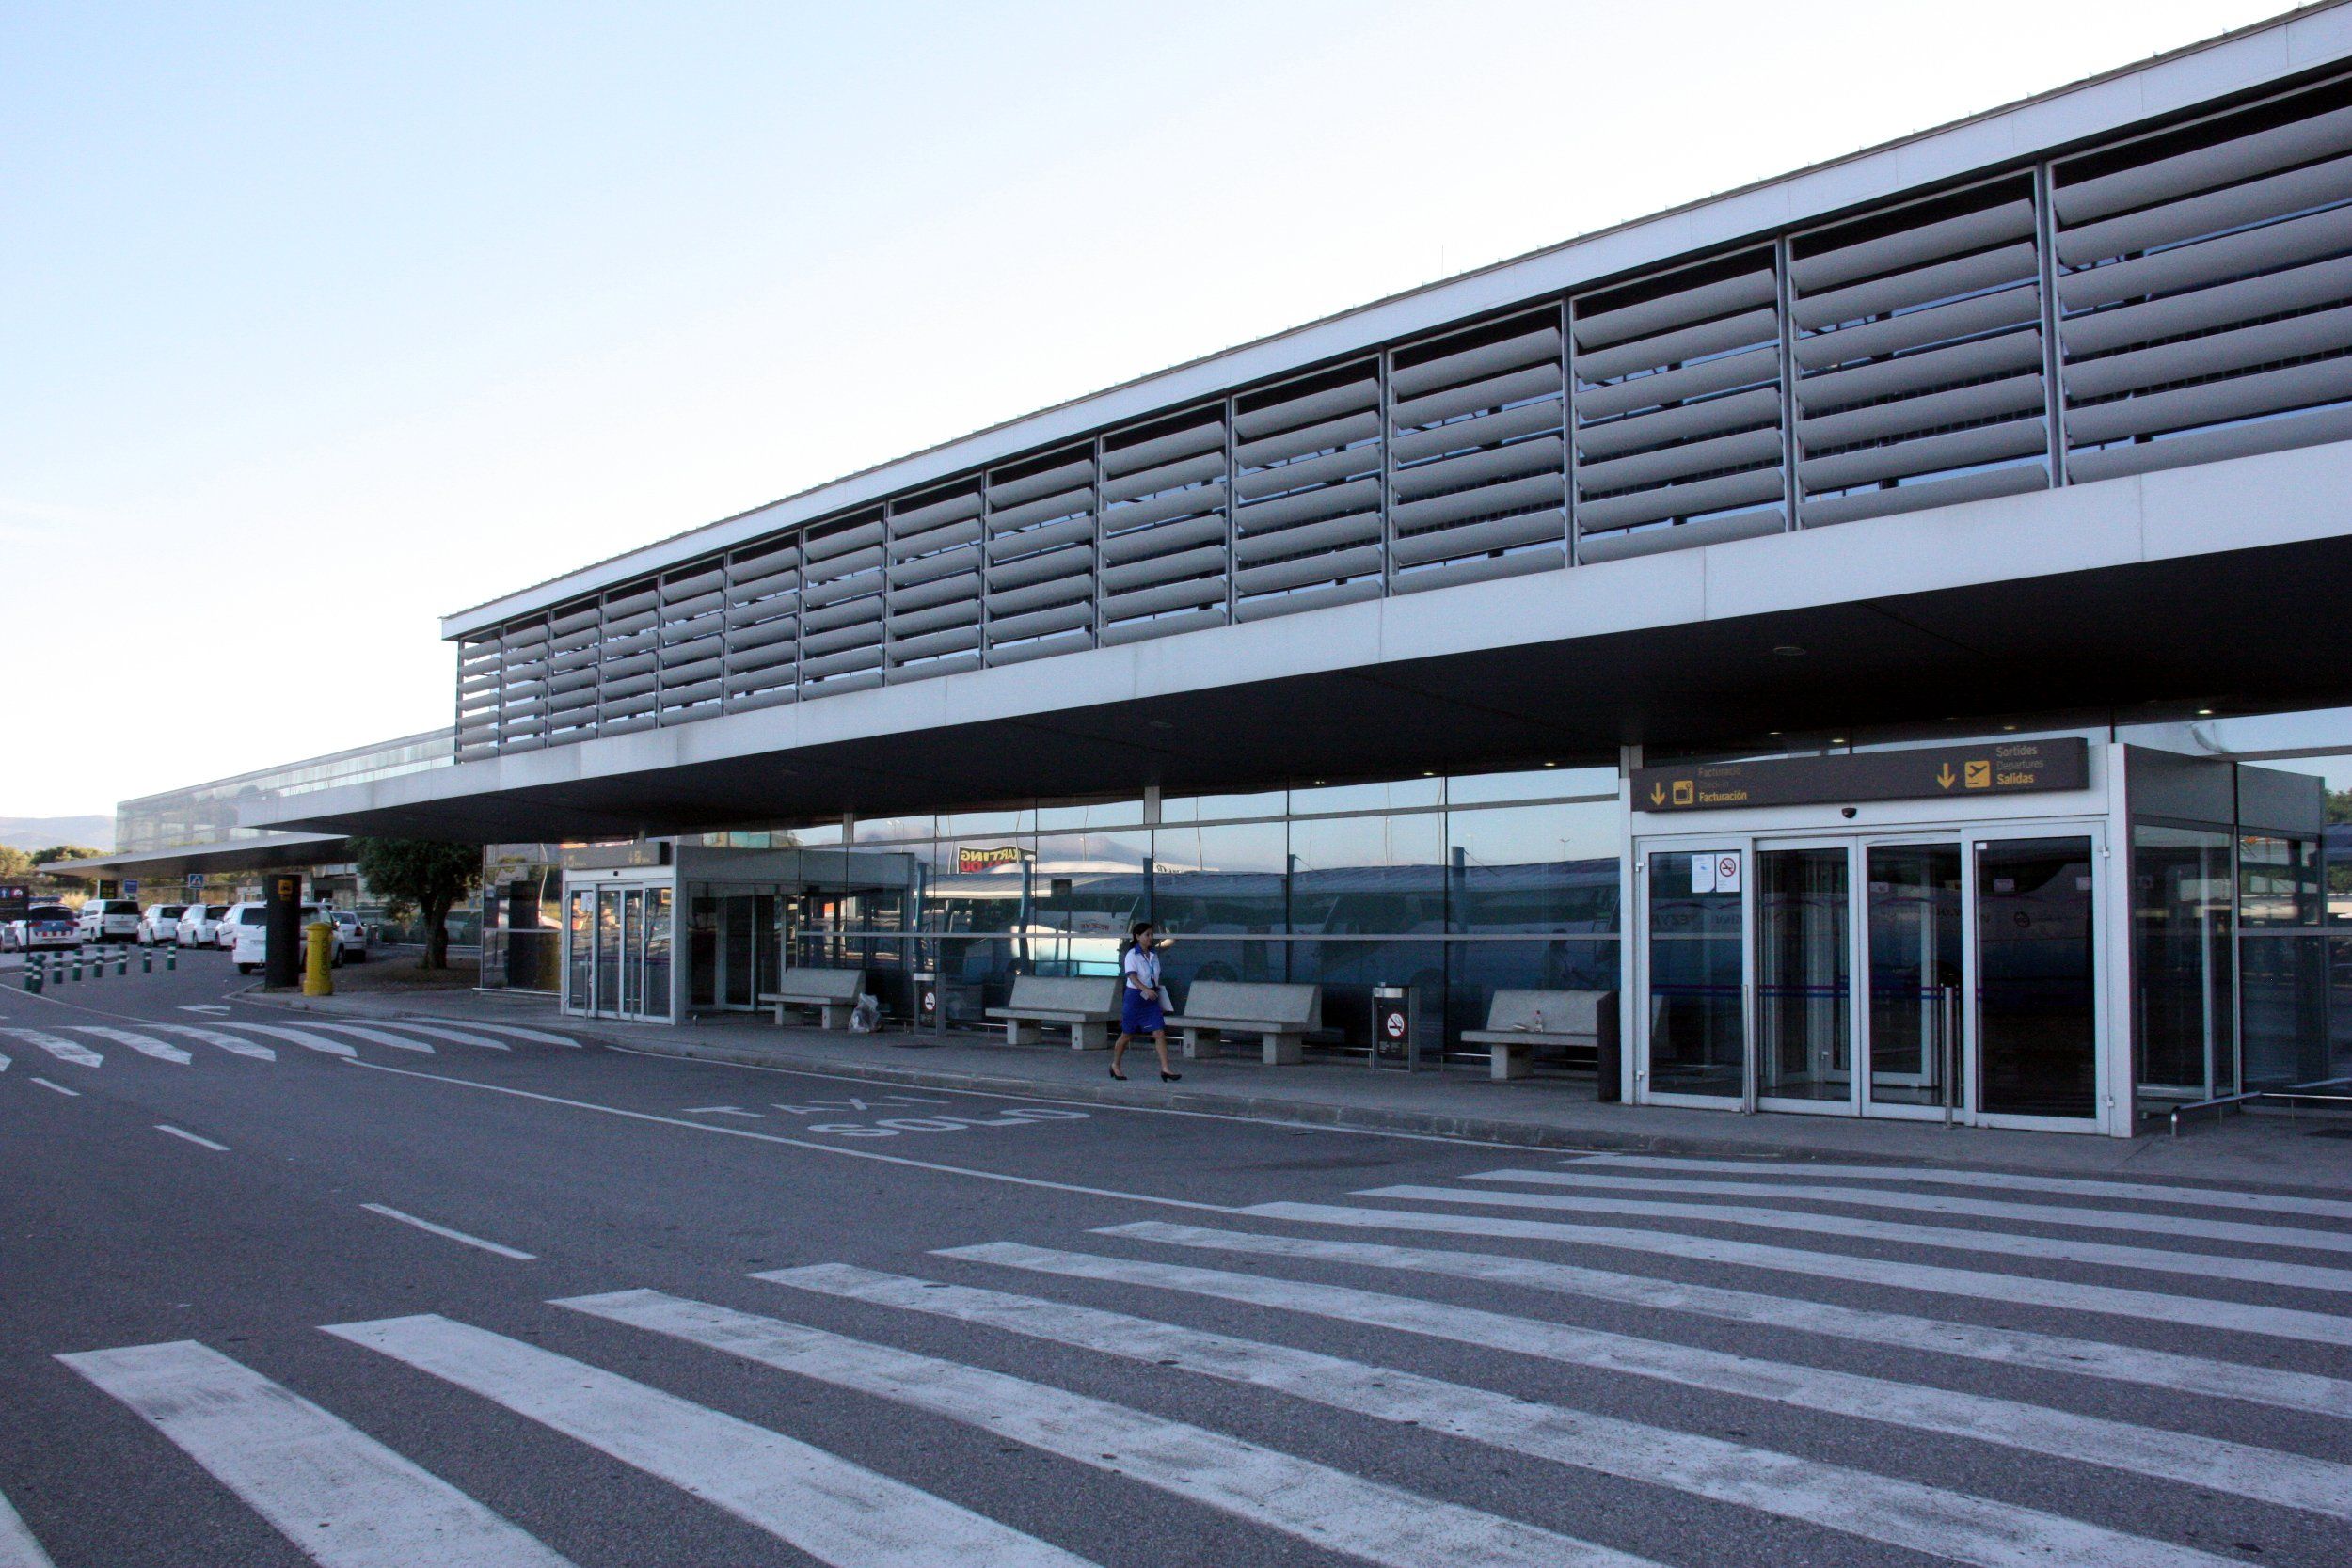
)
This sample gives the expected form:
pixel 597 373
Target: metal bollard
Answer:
pixel 123 964
pixel 171 957
pixel 77 966
pixel 318 978
pixel 147 961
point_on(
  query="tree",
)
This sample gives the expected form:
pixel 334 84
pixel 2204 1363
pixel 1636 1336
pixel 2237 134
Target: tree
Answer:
pixel 424 872
pixel 64 852
pixel 13 860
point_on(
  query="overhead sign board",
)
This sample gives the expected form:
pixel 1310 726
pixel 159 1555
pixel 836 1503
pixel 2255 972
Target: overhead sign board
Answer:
pixel 2004 768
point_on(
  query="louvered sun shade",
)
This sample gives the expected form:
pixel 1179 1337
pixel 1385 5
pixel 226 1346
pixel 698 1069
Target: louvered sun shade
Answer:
pixel 934 572
pixel 1918 356
pixel 523 684
pixel 629 674
pixel 694 651
pixel 2206 288
pixel 1678 408
pixel 1307 487
pixel 1163 527
pixel 477 697
pixel 575 631
pixel 1478 468
pixel 1040 556
pixel 763 624
pixel 841 605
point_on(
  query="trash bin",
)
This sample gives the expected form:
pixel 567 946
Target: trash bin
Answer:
pixel 930 1007
pixel 1392 1044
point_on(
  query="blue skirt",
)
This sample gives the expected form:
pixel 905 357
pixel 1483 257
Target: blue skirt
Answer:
pixel 1139 1015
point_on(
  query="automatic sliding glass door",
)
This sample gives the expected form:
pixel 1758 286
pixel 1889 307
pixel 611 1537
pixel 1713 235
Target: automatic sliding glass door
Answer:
pixel 1694 968
pixel 1917 969
pixel 2037 999
pixel 1804 976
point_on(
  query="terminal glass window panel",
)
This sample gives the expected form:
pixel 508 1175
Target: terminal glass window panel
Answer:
pixel 1697 1025
pixel 738 938
pixel 2037 1009
pixel 1394 795
pixel 1541 783
pixel 1089 889
pixel 632 951
pixel 702 951
pixel 580 950
pixel 1803 979
pixel 1913 928
pixel 1220 880
pixel 2278 880
pixel 1368 875
pixel 1522 870
pixel 2184 960
pixel 657 951
pixel 607 950
pixel 2286 1005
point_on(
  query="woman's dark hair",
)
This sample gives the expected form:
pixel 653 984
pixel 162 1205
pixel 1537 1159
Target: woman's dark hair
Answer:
pixel 1134 937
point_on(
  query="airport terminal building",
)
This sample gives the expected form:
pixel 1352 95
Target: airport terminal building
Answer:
pixel 1886 624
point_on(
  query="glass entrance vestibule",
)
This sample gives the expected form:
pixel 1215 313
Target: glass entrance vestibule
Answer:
pixel 619 932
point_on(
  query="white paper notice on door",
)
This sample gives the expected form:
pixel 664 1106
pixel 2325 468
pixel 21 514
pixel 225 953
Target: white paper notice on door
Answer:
pixel 1727 871
pixel 1703 872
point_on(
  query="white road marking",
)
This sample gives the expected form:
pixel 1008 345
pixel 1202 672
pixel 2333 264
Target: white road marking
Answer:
pixel 391 1213
pixel 3 1063
pixel 303 1038
pixel 57 1046
pixel 1335 1511
pixel 2136 1192
pixel 334 1491
pixel 537 1036
pixel 2201 1265
pixel 2291 1481
pixel 722 1111
pixel 374 1037
pixel 2286 1322
pixel 721 1129
pixel 60 1088
pixel 1926 1519
pixel 836 1511
pixel 202 1008
pixel 145 1045
pixel 2016 1347
pixel 222 1038
pixel 17 1549
pixel 183 1133
pixel 455 1036
pixel 2138 1222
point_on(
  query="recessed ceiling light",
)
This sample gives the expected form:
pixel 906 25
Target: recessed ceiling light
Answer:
pixel 2204 713
pixel 1789 650
pixel 1772 732
pixel 1427 774
pixel 2009 727
pixel 1838 740
pixel 1552 765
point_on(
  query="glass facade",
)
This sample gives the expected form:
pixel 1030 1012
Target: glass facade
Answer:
pixel 207 813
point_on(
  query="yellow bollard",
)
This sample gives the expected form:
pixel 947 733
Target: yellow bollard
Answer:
pixel 318 975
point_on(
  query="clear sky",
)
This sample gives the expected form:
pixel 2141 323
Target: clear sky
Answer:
pixel 346 317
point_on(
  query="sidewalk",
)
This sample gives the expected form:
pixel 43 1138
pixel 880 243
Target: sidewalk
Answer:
pixel 2266 1146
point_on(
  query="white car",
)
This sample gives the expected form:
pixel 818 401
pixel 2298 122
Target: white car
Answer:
pixel 351 937
pixel 110 920
pixel 251 951
pixel 47 927
pixel 160 925
pixel 225 930
pixel 199 924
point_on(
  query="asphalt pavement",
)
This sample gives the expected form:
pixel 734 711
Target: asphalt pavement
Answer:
pixel 422 1288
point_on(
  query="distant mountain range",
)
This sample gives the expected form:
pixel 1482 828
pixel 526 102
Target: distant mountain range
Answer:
pixel 39 832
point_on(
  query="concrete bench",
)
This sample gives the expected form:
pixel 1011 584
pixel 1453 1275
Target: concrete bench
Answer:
pixel 1280 1016
pixel 832 991
pixel 1520 1023
pixel 1089 1007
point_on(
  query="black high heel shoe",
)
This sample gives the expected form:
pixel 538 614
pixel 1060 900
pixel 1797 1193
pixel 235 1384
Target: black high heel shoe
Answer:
pixel 1120 1076
pixel 1172 1077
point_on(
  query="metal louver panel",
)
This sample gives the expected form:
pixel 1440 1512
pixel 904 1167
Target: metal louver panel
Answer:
pixel 572 652
pixel 1918 355
pixel 1478 474
pixel 522 707
pixel 628 667
pixel 763 624
pixel 1307 494
pixel 693 650
pixel 842 604
pixel 1164 528
pixel 2206 287
pixel 1678 407
pixel 934 583
pixel 1040 570
pixel 477 697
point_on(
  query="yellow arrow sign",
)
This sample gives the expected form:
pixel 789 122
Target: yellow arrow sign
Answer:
pixel 1944 776
pixel 1658 795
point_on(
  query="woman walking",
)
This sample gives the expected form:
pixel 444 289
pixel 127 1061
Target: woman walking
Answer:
pixel 1139 1008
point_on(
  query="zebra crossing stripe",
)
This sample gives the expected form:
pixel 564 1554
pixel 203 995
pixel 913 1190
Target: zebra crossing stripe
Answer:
pixel 332 1490
pixel 1937 1203
pixel 2015 1347
pixel 303 1038
pixel 2202 1265
pixel 455 1036
pixel 2134 1192
pixel 374 1037
pixel 2269 1475
pixel 145 1045
pixel 17 1549
pixel 537 1036
pixel 1897 1513
pixel 1334 1510
pixel 57 1046
pixel 3 1063
pixel 228 1042
pixel 2285 1323
pixel 834 1510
